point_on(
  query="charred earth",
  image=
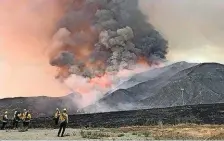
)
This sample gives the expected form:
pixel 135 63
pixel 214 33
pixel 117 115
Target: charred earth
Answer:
pixel 197 114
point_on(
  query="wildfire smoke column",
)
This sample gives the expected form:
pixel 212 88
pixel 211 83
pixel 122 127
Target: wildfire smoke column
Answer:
pixel 97 37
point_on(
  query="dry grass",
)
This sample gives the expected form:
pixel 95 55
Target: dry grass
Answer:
pixel 93 134
pixel 182 131
pixel 165 132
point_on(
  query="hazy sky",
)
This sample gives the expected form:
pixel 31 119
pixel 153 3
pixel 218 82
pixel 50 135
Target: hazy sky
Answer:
pixel 194 28
pixel 25 26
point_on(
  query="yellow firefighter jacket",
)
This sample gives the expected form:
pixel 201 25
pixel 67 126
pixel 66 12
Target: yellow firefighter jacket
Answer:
pixel 26 117
pixel 64 117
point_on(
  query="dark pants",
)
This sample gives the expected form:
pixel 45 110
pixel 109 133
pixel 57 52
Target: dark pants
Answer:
pixel 56 121
pixel 62 126
pixel 15 123
pixel 3 125
pixel 26 124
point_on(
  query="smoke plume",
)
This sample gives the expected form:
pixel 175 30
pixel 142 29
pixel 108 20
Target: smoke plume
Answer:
pixel 104 36
pixel 95 40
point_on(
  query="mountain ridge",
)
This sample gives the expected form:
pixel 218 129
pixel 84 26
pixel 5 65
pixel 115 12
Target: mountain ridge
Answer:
pixel 144 95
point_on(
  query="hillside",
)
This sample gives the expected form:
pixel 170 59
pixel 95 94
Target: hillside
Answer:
pixel 202 84
pixel 39 106
pixel 157 73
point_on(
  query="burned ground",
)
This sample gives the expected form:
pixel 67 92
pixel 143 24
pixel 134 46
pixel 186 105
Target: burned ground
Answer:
pixel 197 114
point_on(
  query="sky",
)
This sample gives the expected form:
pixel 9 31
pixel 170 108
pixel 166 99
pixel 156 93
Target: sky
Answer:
pixel 193 28
pixel 25 28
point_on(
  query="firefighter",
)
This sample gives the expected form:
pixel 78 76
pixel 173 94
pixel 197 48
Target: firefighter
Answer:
pixel 26 119
pixel 16 119
pixel 63 122
pixel 4 120
pixel 57 116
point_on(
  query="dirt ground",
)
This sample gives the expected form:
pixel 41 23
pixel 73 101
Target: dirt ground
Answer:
pixel 186 131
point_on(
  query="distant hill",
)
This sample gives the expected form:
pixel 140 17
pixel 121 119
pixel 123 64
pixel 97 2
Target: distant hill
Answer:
pixel 39 106
pixel 202 84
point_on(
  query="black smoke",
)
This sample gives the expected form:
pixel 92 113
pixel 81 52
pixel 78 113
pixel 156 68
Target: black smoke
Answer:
pixel 115 34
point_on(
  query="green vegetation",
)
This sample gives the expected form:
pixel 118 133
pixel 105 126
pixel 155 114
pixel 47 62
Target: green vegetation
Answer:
pixel 93 134
pixel 120 135
pixel 146 134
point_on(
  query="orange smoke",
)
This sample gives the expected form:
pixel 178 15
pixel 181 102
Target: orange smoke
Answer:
pixel 83 52
pixel 103 81
pixel 26 27
pixel 102 84
pixel 143 61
